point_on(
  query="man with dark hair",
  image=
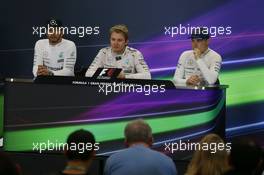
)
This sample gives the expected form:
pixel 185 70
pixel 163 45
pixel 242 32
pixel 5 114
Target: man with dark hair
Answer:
pixel 55 55
pixel 201 65
pixel 80 150
pixel 119 55
pixel 138 158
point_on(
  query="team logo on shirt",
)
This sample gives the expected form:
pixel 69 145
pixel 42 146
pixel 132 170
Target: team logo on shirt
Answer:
pixel 61 55
pixel 133 55
pixel 190 62
pixel 126 61
pixel 72 54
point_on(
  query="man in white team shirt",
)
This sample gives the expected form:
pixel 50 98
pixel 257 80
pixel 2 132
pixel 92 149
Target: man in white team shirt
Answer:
pixel 200 65
pixel 119 55
pixel 55 55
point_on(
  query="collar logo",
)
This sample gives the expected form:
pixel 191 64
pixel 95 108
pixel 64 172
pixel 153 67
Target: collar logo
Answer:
pixel 190 62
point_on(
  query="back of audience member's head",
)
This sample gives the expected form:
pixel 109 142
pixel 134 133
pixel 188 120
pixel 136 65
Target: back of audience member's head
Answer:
pixel 245 156
pixel 138 131
pixel 84 142
pixel 7 166
pixel 206 161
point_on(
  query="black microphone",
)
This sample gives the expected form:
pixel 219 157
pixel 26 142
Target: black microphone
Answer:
pixel 118 58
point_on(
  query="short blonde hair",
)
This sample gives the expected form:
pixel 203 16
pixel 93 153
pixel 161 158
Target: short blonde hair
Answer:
pixel 120 28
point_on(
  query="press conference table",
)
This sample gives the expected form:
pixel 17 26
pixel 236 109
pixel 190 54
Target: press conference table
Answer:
pixel 50 108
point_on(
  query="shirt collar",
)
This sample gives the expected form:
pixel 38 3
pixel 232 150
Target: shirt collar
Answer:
pixel 58 44
pixel 205 52
pixel 138 145
pixel 114 54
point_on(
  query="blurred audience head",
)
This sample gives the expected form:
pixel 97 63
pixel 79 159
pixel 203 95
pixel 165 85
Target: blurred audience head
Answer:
pixel 80 139
pixel 138 131
pixel 206 162
pixel 80 150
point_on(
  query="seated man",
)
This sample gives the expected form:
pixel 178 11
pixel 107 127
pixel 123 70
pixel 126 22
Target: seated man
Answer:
pixel 200 65
pixel 119 55
pixel 55 55
pixel 138 158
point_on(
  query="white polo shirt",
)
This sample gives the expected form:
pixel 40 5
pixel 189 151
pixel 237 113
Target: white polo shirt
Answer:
pixel 131 62
pixel 59 59
pixel 207 67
